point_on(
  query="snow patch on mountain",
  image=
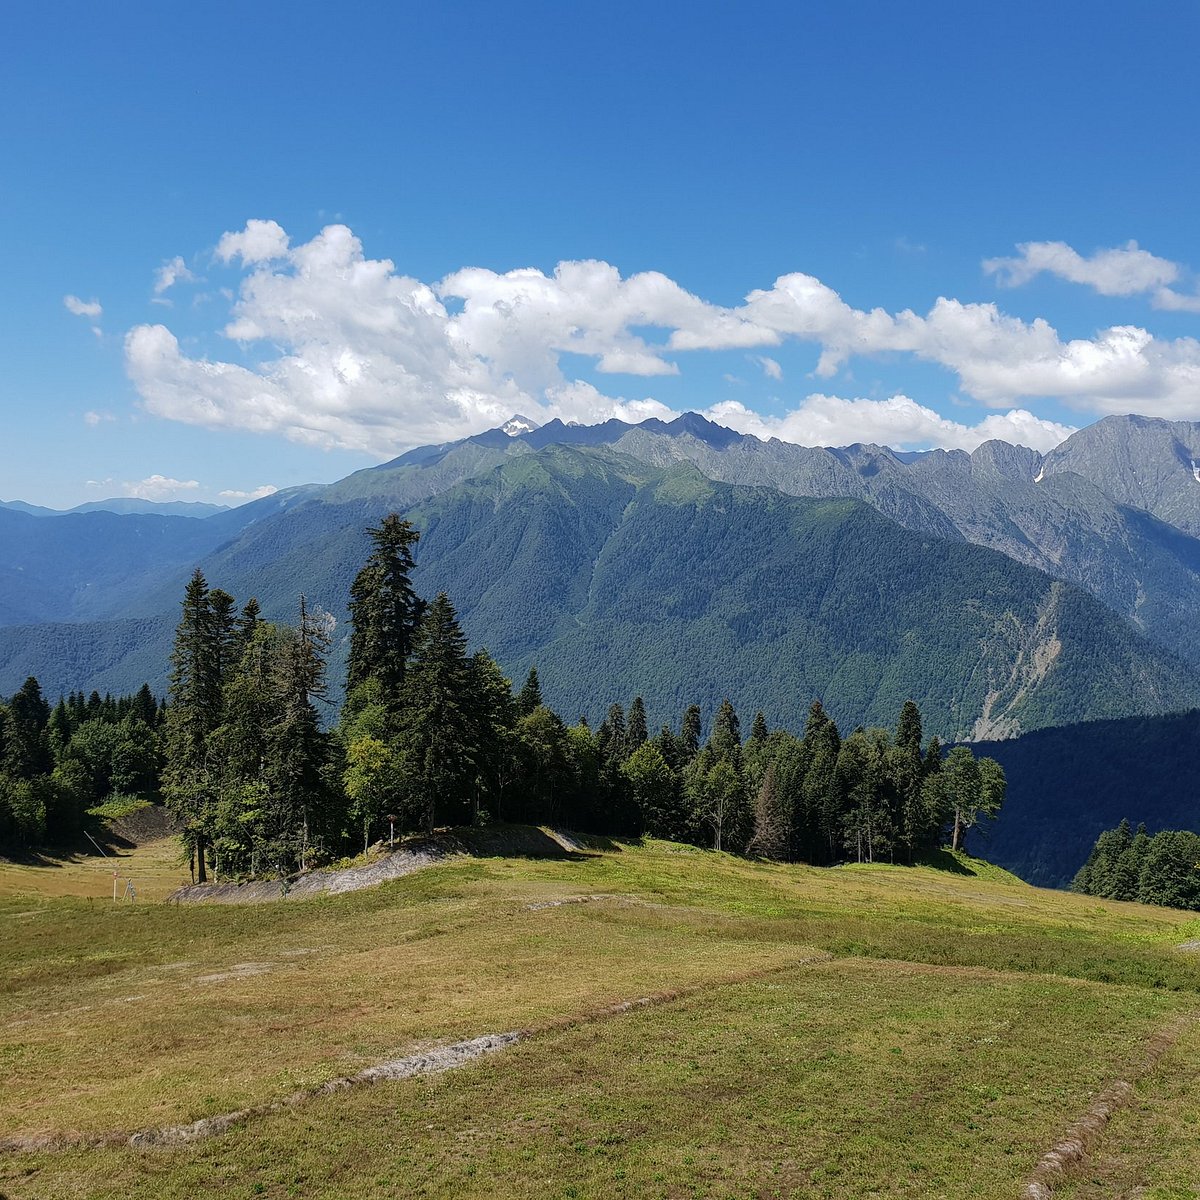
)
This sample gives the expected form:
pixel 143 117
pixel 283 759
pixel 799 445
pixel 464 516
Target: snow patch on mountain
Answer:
pixel 517 425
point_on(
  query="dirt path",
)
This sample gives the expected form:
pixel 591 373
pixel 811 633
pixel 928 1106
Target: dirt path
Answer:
pixel 414 855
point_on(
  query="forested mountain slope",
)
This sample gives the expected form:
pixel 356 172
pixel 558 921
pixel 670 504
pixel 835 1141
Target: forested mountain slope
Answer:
pixel 670 585
pixel 618 578
pixel 1041 513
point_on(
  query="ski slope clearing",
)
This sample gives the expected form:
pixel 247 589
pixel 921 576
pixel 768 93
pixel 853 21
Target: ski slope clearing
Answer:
pixel 684 1024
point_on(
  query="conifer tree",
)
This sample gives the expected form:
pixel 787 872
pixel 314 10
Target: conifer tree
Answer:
pixel 636 733
pixel 726 737
pixel 906 768
pixel 436 735
pixel 297 745
pixel 27 743
pixel 530 695
pixel 690 732
pixel 770 837
pixel 493 715
pixel 195 712
pixel 758 728
pixel 385 611
pixel 612 736
pixel 819 797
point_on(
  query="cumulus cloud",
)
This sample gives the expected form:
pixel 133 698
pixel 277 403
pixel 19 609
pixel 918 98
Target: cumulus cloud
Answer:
pixel 83 308
pixel 1116 271
pixel 93 418
pixel 899 421
pixel 171 273
pixel 336 349
pixel 259 242
pixel 159 487
pixel 257 493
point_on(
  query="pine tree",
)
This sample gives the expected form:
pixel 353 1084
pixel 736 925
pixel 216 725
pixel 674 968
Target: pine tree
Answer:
pixel 690 732
pixel 726 737
pixel 195 712
pixel 636 732
pixel 906 768
pixel 437 729
pixel 758 728
pixel 385 611
pixel 820 799
pixel 27 742
pixel 770 837
pixel 493 714
pixel 144 706
pixel 297 747
pixel 612 736
pixel 530 695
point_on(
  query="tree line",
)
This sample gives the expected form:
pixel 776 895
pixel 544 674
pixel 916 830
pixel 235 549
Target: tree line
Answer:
pixel 264 779
pixel 1133 865
pixel 57 763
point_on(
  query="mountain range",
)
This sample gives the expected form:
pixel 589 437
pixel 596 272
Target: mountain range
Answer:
pixel 1003 590
pixel 123 504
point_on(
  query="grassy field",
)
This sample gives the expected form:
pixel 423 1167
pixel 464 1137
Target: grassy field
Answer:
pixel 155 870
pixel 863 1031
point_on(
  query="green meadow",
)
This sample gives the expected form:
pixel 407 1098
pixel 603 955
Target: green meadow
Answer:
pixel 694 1025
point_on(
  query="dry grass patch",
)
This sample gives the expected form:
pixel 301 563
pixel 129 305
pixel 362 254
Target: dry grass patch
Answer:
pixel 848 1079
pixel 156 869
pixel 123 1017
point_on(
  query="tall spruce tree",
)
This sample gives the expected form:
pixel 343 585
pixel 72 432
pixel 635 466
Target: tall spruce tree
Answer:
pixel 297 744
pixel 690 731
pixel 437 736
pixel 195 711
pixel 636 732
pixel 530 695
pixel 906 767
pixel 385 611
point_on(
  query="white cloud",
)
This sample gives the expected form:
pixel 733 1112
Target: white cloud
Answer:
pixel 259 242
pixel 257 493
pixel 521 321
pixel 581 402
pixel 171 273
pixel 1118 271
pixel 93 418
pixel 83 308
pixel 899 421
pixel 1172 301
pixel 158 487
pixel 337 349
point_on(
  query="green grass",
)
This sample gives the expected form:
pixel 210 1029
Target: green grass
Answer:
pixel 961 1023
pixel 119 806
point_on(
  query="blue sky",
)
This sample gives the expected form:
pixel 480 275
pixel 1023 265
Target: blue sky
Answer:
pixel 457 210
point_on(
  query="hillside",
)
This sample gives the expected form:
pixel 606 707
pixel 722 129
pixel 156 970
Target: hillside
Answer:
pixel 641 1020
pixel 1067 785
pixel 618 579
pixel 620 582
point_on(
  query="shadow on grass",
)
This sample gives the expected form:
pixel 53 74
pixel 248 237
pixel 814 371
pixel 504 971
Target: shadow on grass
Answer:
pixel 946 860
pixel 530 841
